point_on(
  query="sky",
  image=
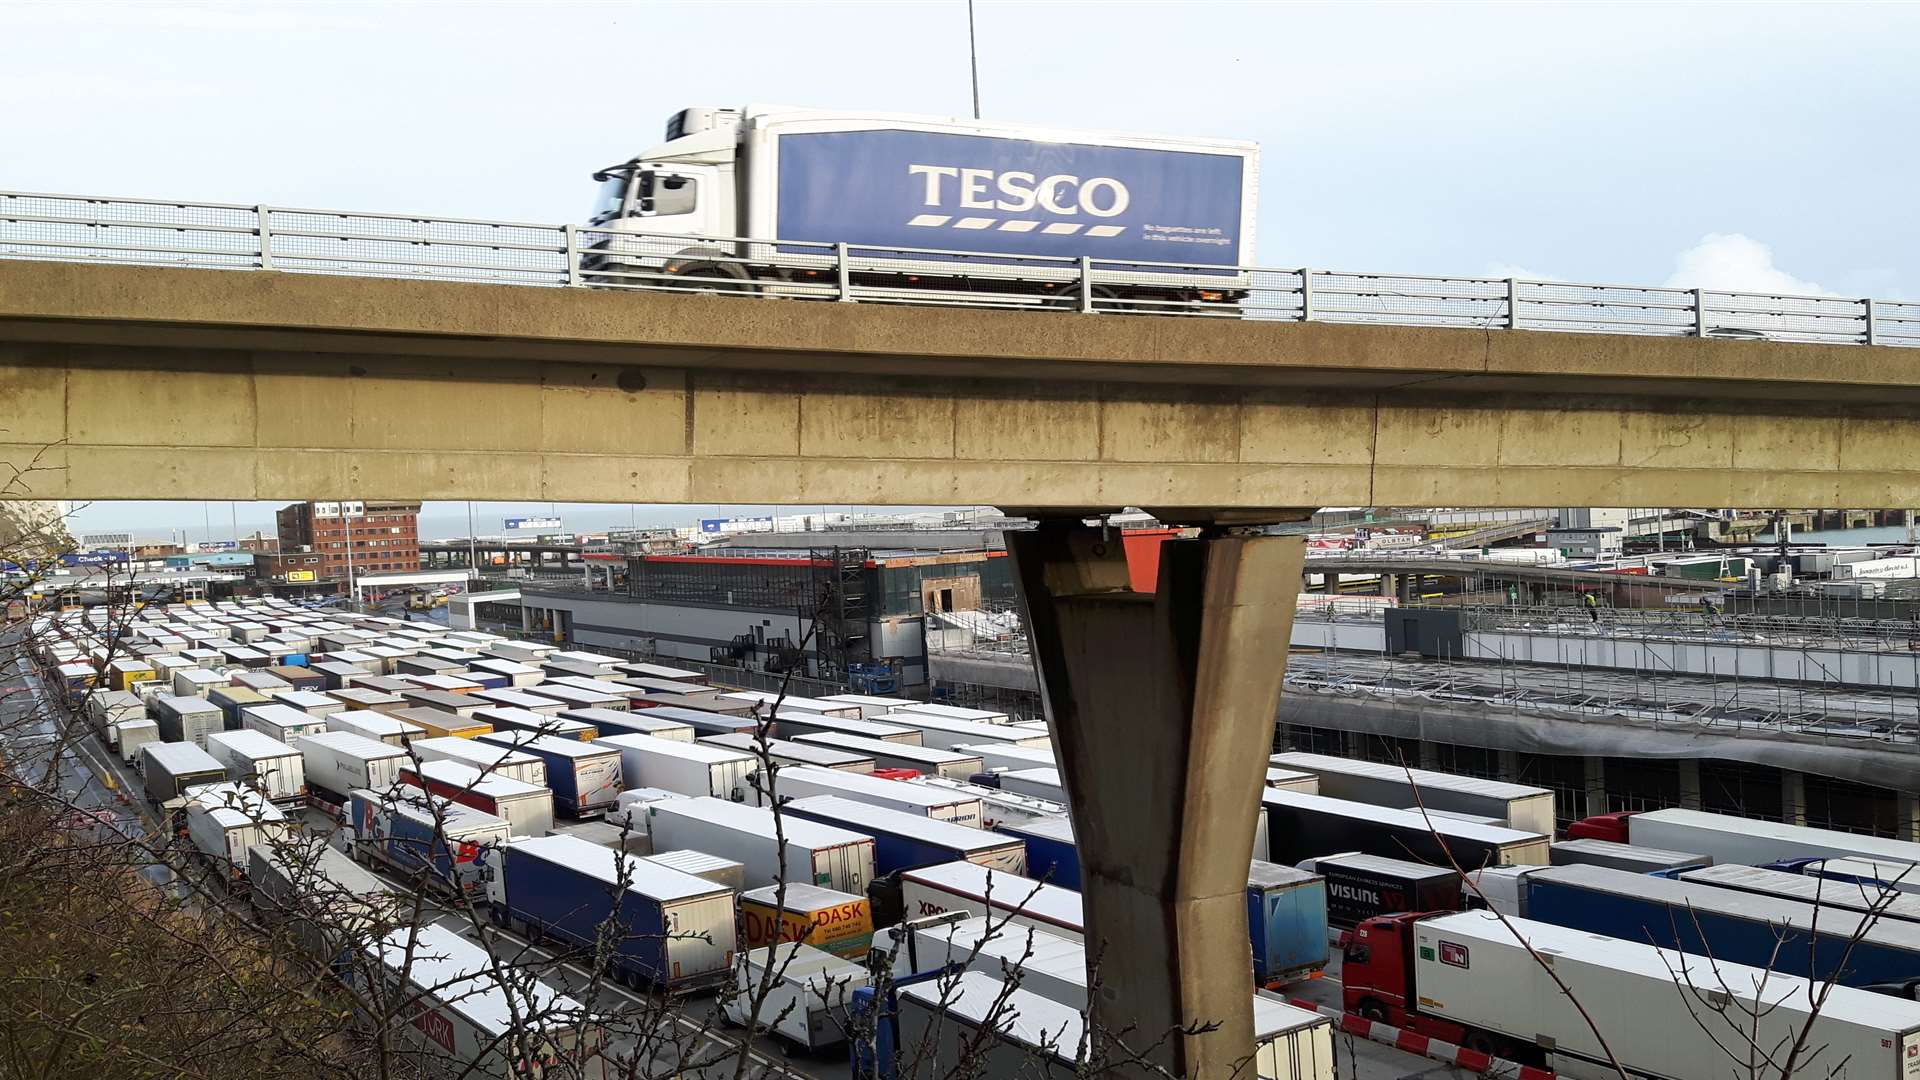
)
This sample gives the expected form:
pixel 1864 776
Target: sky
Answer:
pixel 1728 146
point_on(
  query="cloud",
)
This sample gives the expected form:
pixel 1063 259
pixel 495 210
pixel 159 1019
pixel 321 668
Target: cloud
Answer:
pixel 1731 262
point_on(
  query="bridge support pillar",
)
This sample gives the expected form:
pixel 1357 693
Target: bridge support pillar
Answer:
pixel 1793 797
pixel 1162 707
pixel 1690 790
pixel 1596 770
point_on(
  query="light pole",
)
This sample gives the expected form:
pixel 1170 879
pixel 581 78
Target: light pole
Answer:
pixel 346 522
pixel 973 60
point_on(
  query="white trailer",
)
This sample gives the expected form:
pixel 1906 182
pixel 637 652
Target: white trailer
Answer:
pixel 526 808
pixel 815 854
pixel 223 820
pixel 338 762
pixel 516 698
pixel 461 1013
pixel 490 758
pixel 795 703
pixel 1751 841
pixel 261 762
pixel 1010 808
pixel 315 703
pixel 690 768
pixel 195 682
pixel 379 727
pixel 801 781
pixel 953 712
pixel 131 735
pixel 1293 780
pixel 281 722
pixel 188 719
pixel 946 733
pixel 1638 860
pixel 806 1004
pixel 1469 970
pixel 870 706
pixel 326 898
pixel 638 722
pixel 1518 806
pixel 789 752
pixel 887 754
pixel 1040 783
pixel 969 887
pixel 515 672
pixel 1002 755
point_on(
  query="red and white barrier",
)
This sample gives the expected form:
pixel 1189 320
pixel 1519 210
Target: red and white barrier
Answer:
pixel 1475 1061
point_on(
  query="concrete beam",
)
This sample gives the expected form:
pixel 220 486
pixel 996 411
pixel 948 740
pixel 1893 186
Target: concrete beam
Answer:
pixel 1162 712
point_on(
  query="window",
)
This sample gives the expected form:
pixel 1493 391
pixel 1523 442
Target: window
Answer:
pixel 665 194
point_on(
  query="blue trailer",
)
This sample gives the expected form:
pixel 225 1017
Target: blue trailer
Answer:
pixel 675 930
pixel 585 778
pixel 1738 927
pixel 903 841
pixel 1286 922
pixel 1051 855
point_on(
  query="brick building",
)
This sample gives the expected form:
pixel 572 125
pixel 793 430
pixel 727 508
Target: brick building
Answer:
pixel 385 536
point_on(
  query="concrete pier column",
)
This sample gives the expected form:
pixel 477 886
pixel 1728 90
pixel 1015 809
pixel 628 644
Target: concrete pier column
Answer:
pixel 1907 825
pixel 1162 708
pixel 1596 786
pixel 1689 783
pixel 1389 585
pixel 1793 797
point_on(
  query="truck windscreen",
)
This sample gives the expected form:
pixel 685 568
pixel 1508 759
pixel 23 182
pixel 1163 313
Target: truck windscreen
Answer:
pixel 612 199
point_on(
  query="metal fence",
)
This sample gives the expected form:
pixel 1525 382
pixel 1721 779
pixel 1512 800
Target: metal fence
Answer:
pixel 150 232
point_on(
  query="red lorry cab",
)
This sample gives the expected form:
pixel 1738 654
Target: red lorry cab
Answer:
pixel 1376 977
pixel 1601 827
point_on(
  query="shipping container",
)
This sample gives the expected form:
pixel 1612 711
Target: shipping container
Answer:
pixel 815 854
pixel 788 752
pixel 837 922
pixel 887 754
pixel 339 762
pixel 1360 887
pixel 489 758
pixel 440 724
pixel 224 820
pixel 608 722
pixel 689 768
pixel 585 777
pixel 526 808
pixel 1306 826
pixel 966 887
pixel 282 722
pixel 1743 928
pixel 170 769
pixel 800 781
pixel 1638 860
pixel 188 719
pixel 464 1008
pixel 805 998
pixel 1465 978
pixel 907 841
pixel 424 837
pixel 261 762
pixel 379 727
pixel 507 718
pixel 1528 809
pixel 676 930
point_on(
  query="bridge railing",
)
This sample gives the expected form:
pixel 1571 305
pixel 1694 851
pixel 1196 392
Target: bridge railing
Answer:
pixel 236 236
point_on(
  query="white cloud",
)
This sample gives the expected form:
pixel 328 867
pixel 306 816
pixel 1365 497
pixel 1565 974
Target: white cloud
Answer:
pixel 1731 262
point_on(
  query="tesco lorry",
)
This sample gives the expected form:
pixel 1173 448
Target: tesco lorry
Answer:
pixel 1043 198
pixel 1465 979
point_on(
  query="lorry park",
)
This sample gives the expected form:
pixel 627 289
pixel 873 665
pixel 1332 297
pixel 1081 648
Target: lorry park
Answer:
pixel 909 894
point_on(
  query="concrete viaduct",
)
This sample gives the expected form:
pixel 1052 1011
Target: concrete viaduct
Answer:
pixel 128 382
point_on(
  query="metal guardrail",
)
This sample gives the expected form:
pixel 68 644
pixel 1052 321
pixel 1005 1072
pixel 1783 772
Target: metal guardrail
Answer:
pixel 151 232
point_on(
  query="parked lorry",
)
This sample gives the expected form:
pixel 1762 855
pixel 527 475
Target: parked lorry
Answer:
pixel 585 778
pixel 889 754
pixel 1518 806
pixel 814 853
pixel 338 762
pixel 1301 826
pixel 951 712
pixel 871 705
pixel 380 727
pixel 490 758
pixel 799 725
pixel 788 752
pixel 1286 923
pixel 837 922
pixel 441 724
pixel 908 841
pixel 230 700
pixel 943 733
pixel 325 899
pixel 979 890
pixel 690 768
pixel 999 807
pixel 224 820
pixel 1872 873
pixel 1744 928
pixel 508 718
pixel 526 808
pixel 1465 979
pixel 261 762
pixel 107 708
pixel 800 781
pixel 1638 860
pixel 676 931
pixel 282 722
pixel 720 870
pixel 458 1000
pixel 609 722
pixel 131 735
pixel 1361 886
pixel 169 769
pixel 188 719
pixel 806 999
pixel 1857 896
pixel 1730 838
pixel 420 835
pixel 1005 755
